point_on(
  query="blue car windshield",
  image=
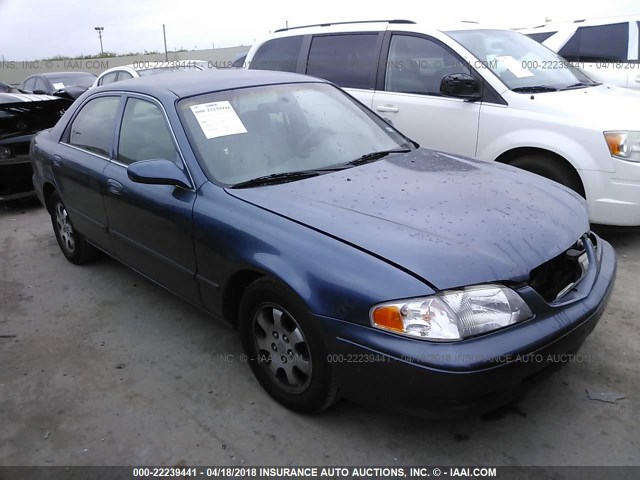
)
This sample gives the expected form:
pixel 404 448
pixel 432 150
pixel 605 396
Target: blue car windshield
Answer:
pixel 240 135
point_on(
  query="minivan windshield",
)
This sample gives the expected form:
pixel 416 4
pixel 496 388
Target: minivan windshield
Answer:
pixel 520 62
pixel 278 133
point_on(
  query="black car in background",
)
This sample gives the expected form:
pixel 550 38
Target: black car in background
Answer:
pixel 21 116
pixel 69 84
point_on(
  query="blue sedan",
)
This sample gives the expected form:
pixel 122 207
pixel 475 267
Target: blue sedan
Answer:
pixel 351 261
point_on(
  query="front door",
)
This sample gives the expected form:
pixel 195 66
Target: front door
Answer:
pixel 410 97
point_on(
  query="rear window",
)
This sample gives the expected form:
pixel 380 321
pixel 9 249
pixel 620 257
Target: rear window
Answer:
pixel 540 36
pixel 278 54
pixel 601 43
pixel 347 60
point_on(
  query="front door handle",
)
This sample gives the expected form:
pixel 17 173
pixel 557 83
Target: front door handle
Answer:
pixel 387 108
pixel 637 79
pixel 114 187
pixel 57 161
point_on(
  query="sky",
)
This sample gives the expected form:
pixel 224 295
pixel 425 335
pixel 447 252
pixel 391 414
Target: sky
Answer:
pixel 38 29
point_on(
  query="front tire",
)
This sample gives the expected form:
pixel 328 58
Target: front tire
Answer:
pixel 73 245
pixel 552 168
pixel 284 350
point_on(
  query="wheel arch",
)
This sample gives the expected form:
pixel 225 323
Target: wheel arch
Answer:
pixel 510 156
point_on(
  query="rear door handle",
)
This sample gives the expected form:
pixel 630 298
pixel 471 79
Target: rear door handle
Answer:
pixel 387 108
pixel 57 161
pixel 114 187
pixel 637 79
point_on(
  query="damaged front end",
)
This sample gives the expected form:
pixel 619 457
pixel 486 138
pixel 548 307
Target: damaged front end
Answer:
pixel 21 116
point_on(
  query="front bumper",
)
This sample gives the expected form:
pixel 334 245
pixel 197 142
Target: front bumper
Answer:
pixel 614 198
pixel 478 374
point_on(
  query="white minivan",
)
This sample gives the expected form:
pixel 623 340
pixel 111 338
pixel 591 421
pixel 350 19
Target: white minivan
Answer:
pixel 486 93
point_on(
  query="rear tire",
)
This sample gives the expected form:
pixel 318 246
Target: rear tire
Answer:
pixel 73 245
pixel 284 350
pixel 552 168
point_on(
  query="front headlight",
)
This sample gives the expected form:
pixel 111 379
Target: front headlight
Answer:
pixel 625 145
pixel 452 315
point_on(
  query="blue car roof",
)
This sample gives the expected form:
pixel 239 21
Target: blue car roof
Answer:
pixel 186 84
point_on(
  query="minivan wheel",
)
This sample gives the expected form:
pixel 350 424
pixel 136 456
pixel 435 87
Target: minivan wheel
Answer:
pixel 284 350
pixel 552 168
pixel 73 245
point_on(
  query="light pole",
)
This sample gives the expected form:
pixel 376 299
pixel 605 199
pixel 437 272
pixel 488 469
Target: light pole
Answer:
pixel 100 30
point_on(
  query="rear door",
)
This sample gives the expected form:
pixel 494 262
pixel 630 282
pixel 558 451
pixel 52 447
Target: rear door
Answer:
pixel 150 225
pixel 78 166
pixel 349 60
pixel 409 94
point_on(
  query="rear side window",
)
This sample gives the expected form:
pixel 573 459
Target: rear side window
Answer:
pixel 347 60
pixel 417 65
pixel 144 134
pixel 540 36
pixel 30 84
pixel 122 75
pixel 278 54
pixel 92 129
pixel 602 43
pixel 108 78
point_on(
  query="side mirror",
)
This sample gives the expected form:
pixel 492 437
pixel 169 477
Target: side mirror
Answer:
pixel 460 85
pixel 158 172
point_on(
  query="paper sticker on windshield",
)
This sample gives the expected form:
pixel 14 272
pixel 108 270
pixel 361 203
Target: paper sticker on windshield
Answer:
pixel 514 66
pixel 218 119
pixel 58 86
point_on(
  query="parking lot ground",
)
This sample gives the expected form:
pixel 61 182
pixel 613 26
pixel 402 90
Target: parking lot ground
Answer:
pixel 101 367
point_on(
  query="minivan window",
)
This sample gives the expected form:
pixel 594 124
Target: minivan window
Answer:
pixel 92 129
pixel 347 60
pixel 278 54
pixel 601 43
pixel 521 63
pixel 540 36
pixel 417 65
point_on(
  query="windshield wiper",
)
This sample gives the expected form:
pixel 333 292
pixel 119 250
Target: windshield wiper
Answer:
pixel 535 88
pixel 276 178
pixel 580 85
pixel 370 157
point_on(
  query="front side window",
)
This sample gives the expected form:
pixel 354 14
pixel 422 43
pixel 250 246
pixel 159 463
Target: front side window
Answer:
pixel 144 134
pixel 601 43
pixel 417 65
pixel 521 63
pixel 279 54
pixel 347 60
pixel 93 127
pixel 249 133
pixel 41 85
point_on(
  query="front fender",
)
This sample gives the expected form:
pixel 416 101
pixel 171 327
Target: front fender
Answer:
pixel 332 278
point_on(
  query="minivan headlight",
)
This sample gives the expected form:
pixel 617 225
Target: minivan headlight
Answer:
pixel 452 315
pixel 623 144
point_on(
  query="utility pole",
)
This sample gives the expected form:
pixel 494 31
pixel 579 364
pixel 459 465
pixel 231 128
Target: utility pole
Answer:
pixel 100 30
pixel 164 34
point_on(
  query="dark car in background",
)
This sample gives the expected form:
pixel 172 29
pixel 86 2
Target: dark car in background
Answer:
pixel 21 116
pixel 64 84
pixel 351 261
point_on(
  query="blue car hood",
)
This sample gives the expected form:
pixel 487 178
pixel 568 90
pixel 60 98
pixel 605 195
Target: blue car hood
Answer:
pixel 450 221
